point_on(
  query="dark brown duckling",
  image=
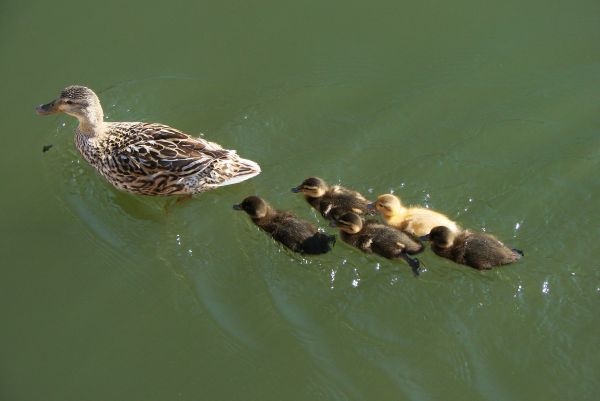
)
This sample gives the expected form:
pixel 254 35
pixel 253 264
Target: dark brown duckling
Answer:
pixel 325 198
pixel 370 236
pixel 479 250
pixel 296 234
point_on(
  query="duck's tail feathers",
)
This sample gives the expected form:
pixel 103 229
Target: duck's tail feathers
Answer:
pixel 246 170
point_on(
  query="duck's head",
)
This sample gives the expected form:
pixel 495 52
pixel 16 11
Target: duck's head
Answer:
pixel 256 207
pixel 77 101
pixel 388 205
pixel 441 236
pixel 313 187
pixel 350 223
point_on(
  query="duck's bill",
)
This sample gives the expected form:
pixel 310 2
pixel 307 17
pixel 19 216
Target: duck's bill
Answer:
pixel 424 237
pixel 48 108
pixel 296 190
pixel 237 207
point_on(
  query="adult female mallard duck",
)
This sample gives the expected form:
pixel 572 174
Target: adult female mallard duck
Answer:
pixel 479 250
pixel 415 220
pixel 147 158
pixel 332 201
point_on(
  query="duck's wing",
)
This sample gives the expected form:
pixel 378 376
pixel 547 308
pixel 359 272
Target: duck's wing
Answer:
pixel 159 148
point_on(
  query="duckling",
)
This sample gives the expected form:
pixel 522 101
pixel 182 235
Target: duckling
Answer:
pixel 479 250
pixel 371 236
pixel 415 220
pixel 296 234
pixel 147 158
pixel 325 198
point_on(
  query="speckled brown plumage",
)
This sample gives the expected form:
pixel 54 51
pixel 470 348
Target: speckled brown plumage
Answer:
pixel 148 158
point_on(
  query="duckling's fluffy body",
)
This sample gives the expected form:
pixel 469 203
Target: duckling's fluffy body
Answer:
pixel 415 220
pixel 285 228
pixel 476 249
pixel 370 236
pixel 332 201
pixel 147 158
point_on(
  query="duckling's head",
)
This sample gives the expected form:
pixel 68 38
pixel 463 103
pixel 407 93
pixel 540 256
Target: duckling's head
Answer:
pixel 256 207
pixel 77 101
pixel 350 223
pixel 441 236
pixel 387 205
pixel 313 187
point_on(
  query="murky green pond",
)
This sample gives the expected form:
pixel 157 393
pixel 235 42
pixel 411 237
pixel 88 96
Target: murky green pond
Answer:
pixel 488 112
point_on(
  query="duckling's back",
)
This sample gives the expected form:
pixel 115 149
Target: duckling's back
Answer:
pixel 343 200
pixel 479 250
pixel 386 241
pixel 484 251
pixel 420 221
pixel 296 234
pixel 383 240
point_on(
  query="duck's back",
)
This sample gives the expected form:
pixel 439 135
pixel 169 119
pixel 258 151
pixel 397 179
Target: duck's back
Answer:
pixel 388 240
pixel 484 251
pixel 383 240
pixel 296 234
pixel 479 250
pixel 420 221
pixel 343 200
pixel 155 159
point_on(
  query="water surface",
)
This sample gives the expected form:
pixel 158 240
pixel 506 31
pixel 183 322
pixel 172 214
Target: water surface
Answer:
pixel 486 112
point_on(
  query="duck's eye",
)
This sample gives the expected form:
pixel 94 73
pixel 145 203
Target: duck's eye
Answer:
pixel 69 102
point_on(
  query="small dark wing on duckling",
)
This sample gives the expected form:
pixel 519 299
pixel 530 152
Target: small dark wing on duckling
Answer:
pixel 484 251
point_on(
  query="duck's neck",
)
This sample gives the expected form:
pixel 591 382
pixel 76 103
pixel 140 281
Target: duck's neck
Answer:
pixel 91 123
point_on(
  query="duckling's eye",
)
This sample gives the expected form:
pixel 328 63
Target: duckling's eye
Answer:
pixel 69 102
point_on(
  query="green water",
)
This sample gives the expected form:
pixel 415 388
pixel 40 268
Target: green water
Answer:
pixel 486 111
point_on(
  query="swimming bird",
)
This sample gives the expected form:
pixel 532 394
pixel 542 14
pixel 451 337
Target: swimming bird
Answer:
pixel 370 236
pixel 415 220
pixel 476 249
pixel 147 158
pixel 296 234
pixel 325 198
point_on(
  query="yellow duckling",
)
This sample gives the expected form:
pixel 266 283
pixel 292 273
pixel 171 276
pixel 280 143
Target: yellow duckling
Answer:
pixel 415 220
